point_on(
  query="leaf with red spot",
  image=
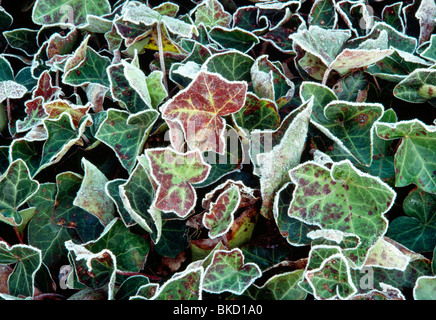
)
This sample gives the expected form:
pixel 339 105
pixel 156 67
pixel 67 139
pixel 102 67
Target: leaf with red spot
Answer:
pixel 45 89
pixel 211 13
pixel 126 133
pixel 220 217
pixel 55 108
pixel 200 107
pixel 342 201
pixel 35 114
pixel 175 173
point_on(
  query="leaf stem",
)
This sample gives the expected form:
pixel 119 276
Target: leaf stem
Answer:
pixel 8 106
pixel 326 75
pixel 161 54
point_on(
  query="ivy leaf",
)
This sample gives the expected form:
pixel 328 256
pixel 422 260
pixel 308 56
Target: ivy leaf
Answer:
pixel 425 288
pixel 56 107
pixel 92 69
pixel 331 278
pixel 342 199
pixel 137 195
pixel 261 114
pixel 66 214
pixel 113 192
pixel 62 135
pixel 181 286
pixel 22 39
pixel 276 152
pixel 43 232
pixel 27 260
pixel 228 272
pixel 72 12
pixel 417 87
pixel 200 107
pixel 45 88
pixel 126 133
pixel 416 230
pixel 232 65
pixel 175 173
pixel 235 38
pixel 426 14
pixel 414 159
pixel 129 249
pixel 140 13
pixel 220 216
pixel 321 14
pixel 92 196
pixel 35 114
pixel 94 270
pixel 430 52
pixel 282 286
pixel 11 90
pixel 18 187
pixel 211 13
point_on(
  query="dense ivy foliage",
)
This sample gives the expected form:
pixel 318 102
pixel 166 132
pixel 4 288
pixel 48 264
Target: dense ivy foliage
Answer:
pixel 218 149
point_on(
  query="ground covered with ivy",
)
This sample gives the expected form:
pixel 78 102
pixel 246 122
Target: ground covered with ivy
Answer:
pixel 217 150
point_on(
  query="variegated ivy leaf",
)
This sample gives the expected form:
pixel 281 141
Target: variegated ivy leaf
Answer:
pixel 17 187
pixel 330 276
pixel 344 201
pixel 126 133
pixel 425 288
pixel 416 230
pixel 94 270
pixel 112 190
pixel 274 153
pixel 45 88
pixel 138 13
pixel 323 14
pixel 175 173
pixel 270 83
pixel 11 90
pixel 349 124
pixel 133 89
pixel 71 12
pixel 325 44
pixel 227 272
pixel 35 114
pixel 199 109
pixel 92 196
pixel 185 285
pixel 426 14
pixel 43 232
pixel 220 216
pixel 415 160
pixel 92 69
pixel 66 214
pixel 55 108
pixel 261 114
pixel 418 87
pixel 129 249
pixel 137 195
pixel 27 260
pixel 62 135
pixel 211 14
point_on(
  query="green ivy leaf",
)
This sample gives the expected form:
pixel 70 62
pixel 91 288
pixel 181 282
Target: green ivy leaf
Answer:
pixel 414 159
pixel 211 13
pixel 23 39
pixel 27 260
pixel 232 65
pixel 18 187
pixel 416 230
pixel 228 272
pixel 235 38
pixel 417 87
pixel 126 133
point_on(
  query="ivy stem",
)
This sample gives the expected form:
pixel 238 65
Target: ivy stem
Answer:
pixel 8 107
pixel 19 236
pixel 161 54
pixel 326 76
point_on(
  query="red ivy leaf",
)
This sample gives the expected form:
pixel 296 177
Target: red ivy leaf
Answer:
pixel 45 88
pixel 199 109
